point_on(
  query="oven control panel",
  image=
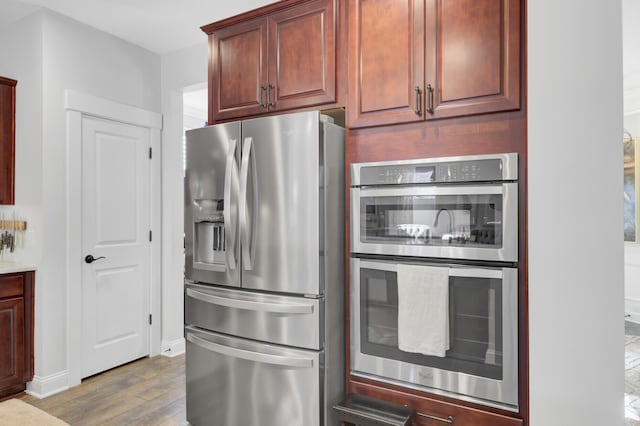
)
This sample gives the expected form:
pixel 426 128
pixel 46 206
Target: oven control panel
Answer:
pixel 460 169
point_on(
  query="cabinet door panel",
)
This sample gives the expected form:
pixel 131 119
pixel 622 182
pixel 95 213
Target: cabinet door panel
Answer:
pixel 11 342
pixel 7 139
pixel 473 57
pixel 11 285
pixel 238 70
pixel 302 52
pixel 386 62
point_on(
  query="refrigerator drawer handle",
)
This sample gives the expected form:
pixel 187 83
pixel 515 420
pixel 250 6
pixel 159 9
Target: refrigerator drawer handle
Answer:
pixel 282 308
pixel 287 361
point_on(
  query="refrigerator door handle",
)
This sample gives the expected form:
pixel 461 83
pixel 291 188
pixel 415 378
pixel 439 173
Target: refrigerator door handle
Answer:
pixel 229 206
pixel 288 361
pixel 281 308
pixel 248 234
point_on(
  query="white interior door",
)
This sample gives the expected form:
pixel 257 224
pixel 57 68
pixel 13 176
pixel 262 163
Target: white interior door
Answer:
pixel 115 231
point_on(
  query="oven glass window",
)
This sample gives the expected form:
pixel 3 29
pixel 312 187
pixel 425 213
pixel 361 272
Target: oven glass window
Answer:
pixel 438 220
pixel 475 324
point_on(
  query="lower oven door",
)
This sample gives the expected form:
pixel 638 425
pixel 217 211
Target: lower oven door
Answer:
pixel 481 363
pixel 233 381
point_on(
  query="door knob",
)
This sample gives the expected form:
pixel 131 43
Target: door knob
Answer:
pixel 90 259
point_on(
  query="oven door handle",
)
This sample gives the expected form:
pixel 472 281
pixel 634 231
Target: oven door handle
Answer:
pixel 454 271
pixel 480 189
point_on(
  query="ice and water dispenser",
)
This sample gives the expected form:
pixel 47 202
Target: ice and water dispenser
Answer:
pixel 209 234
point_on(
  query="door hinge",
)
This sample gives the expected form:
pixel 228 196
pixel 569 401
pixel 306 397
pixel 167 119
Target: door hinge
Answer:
pixel 150 236
pixel 150 319
pixel 150 153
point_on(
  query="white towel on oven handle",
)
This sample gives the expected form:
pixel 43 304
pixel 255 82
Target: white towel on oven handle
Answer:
pixel 423 309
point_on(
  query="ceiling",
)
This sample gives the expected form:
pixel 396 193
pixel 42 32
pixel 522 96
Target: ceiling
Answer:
pixel 160 26
pixel 164 26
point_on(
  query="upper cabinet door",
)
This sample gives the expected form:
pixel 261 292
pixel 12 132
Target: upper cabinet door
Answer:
pixel 238 70
pixel 7 139
pixel 386 62
pixel 302 56
pixel 473 59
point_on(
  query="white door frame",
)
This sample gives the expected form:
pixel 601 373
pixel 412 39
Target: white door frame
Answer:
pixel 78 105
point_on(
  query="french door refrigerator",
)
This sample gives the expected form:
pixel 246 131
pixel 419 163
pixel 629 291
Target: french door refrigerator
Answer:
pixel 264 271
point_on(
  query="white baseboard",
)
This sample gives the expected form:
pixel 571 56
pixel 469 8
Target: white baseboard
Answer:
pixel 42 387
pixel 632 309
pixel 173 348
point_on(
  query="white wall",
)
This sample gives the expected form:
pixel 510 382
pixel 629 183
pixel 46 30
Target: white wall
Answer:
pixel 632 250
pixel 181 69
pixel 21 59
pixel 83 59
pixel 631 82
pixel 576 331
pixel 48 54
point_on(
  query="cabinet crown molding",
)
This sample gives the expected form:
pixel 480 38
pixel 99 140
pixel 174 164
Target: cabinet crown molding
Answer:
pixel 252 14
pixel 8 81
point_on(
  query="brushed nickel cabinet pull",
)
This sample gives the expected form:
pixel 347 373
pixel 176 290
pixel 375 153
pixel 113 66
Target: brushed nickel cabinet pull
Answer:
pixel 262 104
pixel 448 420
pixel 269 103
pixel 418 109
pixel 430 99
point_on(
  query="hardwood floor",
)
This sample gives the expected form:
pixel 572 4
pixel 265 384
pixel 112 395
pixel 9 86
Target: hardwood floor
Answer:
pixel 632 374
pixel 150 391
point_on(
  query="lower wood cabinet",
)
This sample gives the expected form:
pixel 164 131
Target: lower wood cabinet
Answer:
pixel 16 332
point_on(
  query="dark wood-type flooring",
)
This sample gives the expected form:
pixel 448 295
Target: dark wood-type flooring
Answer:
pixel 150 391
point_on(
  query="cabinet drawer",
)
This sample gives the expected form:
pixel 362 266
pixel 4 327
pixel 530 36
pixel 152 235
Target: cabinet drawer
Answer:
pixel 464 416
pixel 11 285
pixel 431 411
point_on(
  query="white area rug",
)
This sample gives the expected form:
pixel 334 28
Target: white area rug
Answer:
pixel 16 412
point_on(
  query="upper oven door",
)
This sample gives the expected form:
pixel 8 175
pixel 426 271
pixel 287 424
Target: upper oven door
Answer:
pixel 478 222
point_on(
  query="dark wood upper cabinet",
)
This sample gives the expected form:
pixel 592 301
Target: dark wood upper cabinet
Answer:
pixel 476 66
pixel 414 60
pixel 239 68
pixel 302 58
pixel 279 61
pixel 7 139
pixel 386 62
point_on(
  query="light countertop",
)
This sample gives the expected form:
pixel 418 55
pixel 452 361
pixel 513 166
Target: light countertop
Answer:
pixel 7 267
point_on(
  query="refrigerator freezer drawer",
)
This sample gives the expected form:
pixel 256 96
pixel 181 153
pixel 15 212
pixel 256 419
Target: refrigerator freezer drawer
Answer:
pixel 286 320
pixel 232 381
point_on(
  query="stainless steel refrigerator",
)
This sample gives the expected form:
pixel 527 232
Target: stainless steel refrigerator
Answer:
pixel 264 271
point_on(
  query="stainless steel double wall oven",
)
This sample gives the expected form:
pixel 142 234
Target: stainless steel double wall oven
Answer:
pixel 459 215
